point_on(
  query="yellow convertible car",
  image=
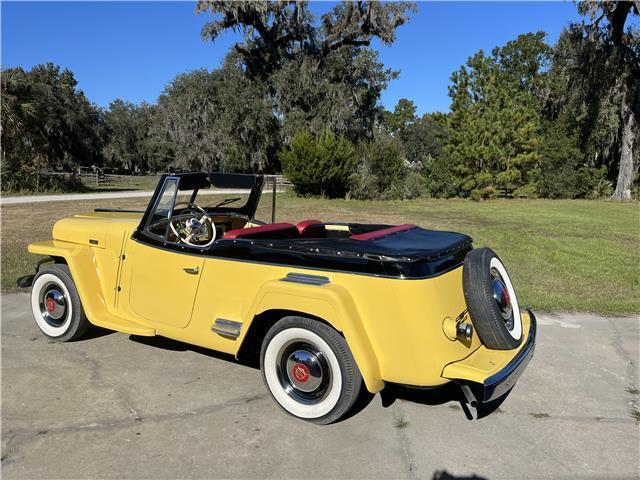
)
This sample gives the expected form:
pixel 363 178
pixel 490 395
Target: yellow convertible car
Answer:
pixel 334 310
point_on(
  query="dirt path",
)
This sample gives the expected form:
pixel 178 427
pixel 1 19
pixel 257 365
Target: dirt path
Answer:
pixel 69 197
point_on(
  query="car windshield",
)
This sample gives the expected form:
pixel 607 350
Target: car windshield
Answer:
pixel 182 210
pixel 158 221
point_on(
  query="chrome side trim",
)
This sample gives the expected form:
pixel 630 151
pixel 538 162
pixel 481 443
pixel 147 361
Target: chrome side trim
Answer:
pixel 306 279
pixel 226 328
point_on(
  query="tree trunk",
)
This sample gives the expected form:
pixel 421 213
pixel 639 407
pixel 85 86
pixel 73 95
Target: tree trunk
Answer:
pixel 626 169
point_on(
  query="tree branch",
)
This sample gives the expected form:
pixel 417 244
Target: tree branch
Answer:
pixel 617 16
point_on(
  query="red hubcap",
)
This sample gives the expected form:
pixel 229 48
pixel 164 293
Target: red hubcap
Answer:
pixel 50 304
pixel 300 372
pixel 507 298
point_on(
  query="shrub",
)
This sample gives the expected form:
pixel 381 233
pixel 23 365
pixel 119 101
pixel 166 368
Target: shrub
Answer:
pixel 529 190
pixel 485 193
pixel 593 183
pixel 416 185
pixel 36 182
pixel 319 165
pixel 382 172
pixel 442 181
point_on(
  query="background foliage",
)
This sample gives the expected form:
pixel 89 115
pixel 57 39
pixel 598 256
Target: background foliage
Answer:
pixel 301 95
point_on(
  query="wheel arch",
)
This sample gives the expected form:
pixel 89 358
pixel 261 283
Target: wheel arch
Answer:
pixel 78 258
pixel 329 304
pixel 260 325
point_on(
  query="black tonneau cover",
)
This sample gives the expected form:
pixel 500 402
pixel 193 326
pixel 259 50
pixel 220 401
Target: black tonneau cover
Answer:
pixel 410 254
pixel 405 246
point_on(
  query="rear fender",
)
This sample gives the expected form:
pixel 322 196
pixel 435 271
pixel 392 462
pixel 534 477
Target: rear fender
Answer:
pixel 330 302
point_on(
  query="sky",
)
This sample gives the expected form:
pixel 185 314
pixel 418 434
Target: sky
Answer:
pixel 131 50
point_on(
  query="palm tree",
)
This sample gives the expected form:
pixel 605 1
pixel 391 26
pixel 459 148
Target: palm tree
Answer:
pixel 15 111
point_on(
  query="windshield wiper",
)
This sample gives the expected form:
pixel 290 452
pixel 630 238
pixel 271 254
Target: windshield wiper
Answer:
pixel 226 201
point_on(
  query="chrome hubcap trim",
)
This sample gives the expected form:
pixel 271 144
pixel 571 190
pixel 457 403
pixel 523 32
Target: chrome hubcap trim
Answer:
pixel 53 305
pixel 502 299
pixel 304 372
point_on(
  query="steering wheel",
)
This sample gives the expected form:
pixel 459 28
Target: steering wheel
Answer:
pixel 193 226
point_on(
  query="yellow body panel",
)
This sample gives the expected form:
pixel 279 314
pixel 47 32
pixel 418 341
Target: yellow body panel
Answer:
pixel 160 288
pixel 393 326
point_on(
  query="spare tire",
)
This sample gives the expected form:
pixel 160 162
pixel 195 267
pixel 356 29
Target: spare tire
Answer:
pixel 491 300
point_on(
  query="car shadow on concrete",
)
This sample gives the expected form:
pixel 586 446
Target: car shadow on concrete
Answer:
pixel 177 346
pixel 447 393
pixel 444 475
pixel 92 333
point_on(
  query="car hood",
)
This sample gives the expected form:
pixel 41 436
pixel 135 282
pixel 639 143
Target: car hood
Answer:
pixel 96 228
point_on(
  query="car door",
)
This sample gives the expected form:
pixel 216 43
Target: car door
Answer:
pixel 163 278
pixel 163 283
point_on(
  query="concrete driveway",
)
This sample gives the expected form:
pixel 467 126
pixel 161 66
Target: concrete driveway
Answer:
pixel 121 406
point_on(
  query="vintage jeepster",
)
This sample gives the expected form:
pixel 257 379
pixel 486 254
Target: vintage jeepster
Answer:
pixel 332 310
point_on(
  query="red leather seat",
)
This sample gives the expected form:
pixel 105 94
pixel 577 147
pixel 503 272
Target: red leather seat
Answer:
pixel 270 230
pixel 311 229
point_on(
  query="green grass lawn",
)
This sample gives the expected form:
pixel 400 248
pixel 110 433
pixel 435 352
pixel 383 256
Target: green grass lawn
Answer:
pixel 563 255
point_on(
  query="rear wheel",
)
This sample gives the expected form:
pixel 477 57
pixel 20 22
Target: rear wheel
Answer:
pixel 56 305
pixel 491 300
pixel 309 370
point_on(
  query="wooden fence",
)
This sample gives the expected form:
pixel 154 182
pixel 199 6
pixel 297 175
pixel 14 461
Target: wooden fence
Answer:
pixel 146 182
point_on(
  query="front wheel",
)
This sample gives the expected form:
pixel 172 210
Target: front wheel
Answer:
pixel 56 304
pixel 309 370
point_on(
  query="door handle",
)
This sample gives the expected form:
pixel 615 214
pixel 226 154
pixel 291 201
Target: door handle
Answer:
pixel 192 270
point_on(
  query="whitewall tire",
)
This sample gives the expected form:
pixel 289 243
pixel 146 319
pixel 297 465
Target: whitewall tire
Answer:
pixel 309 370
pixel 56 305
pixel 491 300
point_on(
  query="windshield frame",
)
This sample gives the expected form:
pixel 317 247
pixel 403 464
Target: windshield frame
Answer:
pixel 195 182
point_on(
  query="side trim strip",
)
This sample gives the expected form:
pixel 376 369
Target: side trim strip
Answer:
pixel 306 279
pixel 226 328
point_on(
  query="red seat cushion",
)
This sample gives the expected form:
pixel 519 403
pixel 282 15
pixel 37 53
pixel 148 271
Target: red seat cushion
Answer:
pixel 270 230
pixel 382 233
pixel 311 229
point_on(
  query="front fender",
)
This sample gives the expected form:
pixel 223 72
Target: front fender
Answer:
pixel 330 302
pixel 86 276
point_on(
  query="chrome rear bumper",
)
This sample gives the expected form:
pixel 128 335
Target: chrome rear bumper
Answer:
pixel 501 382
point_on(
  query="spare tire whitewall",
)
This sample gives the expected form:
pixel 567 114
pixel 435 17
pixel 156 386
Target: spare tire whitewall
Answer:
pixel 491 300
pixel 511 314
